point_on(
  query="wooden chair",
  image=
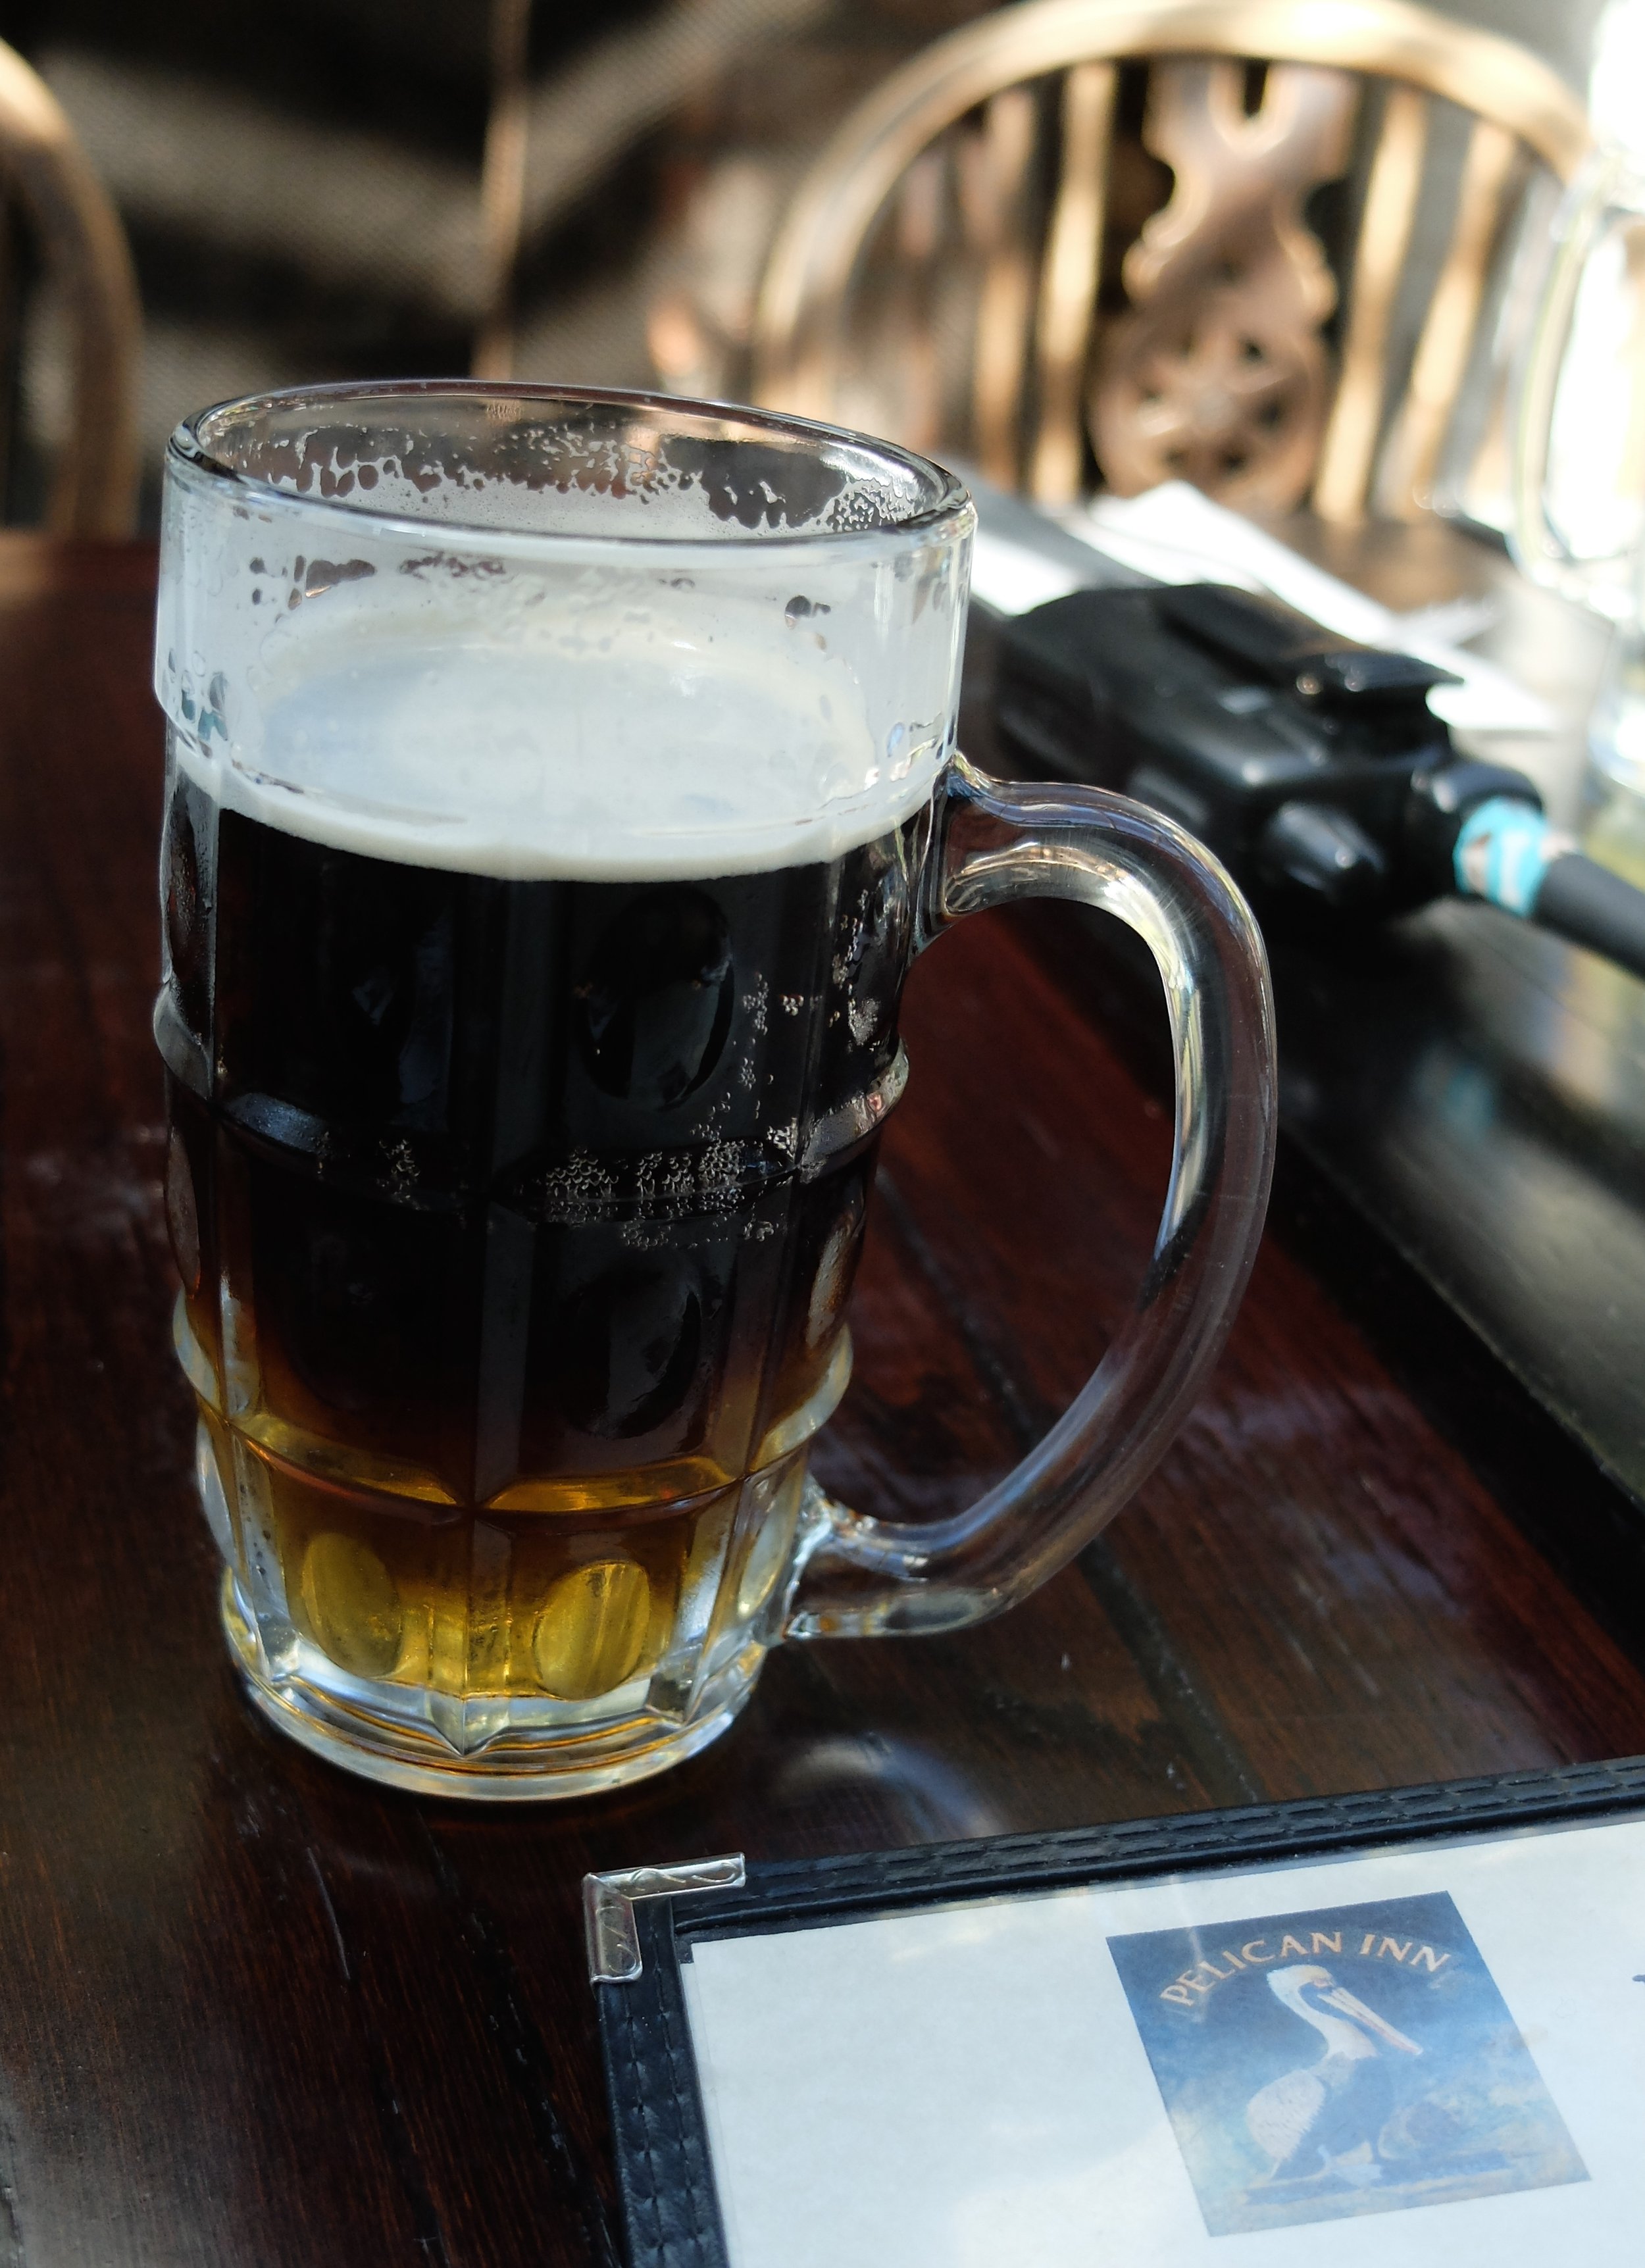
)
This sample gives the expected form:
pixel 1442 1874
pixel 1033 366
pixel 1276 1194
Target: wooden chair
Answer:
pixel 83 255
pixel 953 261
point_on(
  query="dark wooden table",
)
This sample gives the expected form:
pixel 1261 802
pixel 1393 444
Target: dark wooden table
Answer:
pixel 254 2012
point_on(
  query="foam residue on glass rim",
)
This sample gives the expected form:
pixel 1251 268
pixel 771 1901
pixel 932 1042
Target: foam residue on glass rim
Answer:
pixel 513 465
pixel 526 704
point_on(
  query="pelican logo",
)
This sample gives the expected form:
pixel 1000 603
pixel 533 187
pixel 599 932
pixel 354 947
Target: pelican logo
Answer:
pixel 1358 2059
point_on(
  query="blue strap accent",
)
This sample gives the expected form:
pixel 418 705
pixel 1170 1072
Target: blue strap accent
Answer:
pixel 1502 852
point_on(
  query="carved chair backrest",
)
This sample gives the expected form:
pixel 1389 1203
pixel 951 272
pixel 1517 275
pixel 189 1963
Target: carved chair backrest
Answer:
pixel 968 262
pixel 85 260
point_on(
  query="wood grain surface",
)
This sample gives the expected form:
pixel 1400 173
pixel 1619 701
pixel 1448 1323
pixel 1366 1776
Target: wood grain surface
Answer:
pixel 254 2012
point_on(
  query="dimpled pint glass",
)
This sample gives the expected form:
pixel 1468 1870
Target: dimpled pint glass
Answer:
pixel 559 786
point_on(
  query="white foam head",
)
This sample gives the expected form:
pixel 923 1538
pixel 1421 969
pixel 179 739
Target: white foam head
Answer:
pixel 558 703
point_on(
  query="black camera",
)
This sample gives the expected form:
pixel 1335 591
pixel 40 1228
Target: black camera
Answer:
pixel 1314 768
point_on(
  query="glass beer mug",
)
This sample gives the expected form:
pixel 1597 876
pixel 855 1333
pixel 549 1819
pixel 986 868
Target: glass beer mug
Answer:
pixel 559 787
pixel 1579 469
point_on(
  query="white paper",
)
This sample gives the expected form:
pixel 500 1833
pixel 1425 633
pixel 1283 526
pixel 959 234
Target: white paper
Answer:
pixel 1178 536
pixel 1012 578
pixel 966 2086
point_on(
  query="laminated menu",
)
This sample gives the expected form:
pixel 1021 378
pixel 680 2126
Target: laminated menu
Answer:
pixel 1404 2028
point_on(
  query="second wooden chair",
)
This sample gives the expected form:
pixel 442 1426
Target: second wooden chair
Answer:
pixel 964 266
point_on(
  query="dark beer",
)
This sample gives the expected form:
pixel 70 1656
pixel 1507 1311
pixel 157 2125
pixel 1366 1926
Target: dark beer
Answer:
pixel 516 1217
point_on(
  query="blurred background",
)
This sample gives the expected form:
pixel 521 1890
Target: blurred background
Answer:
pixel 306 189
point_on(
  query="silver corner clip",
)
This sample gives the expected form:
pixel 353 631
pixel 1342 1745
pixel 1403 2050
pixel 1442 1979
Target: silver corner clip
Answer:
pixel 609 1908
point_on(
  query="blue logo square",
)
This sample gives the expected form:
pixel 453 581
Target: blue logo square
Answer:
pixel 1356 2059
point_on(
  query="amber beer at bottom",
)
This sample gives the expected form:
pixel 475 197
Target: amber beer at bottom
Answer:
pixel 516 1220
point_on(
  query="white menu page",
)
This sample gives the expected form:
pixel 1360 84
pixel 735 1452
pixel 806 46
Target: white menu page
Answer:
pixel 1427 2055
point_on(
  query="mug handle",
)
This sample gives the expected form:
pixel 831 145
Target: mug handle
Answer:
pixel 1600 580
pixel 991 843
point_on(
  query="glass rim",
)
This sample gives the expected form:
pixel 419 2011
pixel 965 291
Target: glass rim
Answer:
pixel 186 454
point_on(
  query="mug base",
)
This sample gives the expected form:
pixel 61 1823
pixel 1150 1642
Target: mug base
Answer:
pixel 517 1763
